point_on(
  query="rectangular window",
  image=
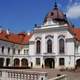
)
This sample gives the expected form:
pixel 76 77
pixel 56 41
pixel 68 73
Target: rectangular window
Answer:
pixel 61 61
pixel 37 61
pixel 2 49
pixel 18 51
pixel 26 51
pixel 8 50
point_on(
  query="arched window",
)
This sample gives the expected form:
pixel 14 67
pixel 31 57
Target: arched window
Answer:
pixel 49 46
pixel 16 62
pixel 8 50
pixel 2 49
pixel 38 46
pixel 61 46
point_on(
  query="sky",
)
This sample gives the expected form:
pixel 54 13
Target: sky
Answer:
pixel 22 15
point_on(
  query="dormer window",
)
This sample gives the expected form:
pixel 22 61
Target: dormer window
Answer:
pixel 52 13
pixel 26 51
pixel 18 51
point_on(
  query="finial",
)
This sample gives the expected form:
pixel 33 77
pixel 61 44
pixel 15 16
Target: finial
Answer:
pixel 55 5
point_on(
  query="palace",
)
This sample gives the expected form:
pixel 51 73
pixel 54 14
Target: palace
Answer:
pixel 54 44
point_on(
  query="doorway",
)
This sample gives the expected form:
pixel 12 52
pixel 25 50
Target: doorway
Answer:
pixel 49 63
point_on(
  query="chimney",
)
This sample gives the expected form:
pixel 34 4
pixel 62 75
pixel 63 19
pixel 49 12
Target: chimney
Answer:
pixel 28 33
pixel 7 31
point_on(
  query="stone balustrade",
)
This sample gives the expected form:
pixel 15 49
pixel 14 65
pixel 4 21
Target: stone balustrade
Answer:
pixel 22 75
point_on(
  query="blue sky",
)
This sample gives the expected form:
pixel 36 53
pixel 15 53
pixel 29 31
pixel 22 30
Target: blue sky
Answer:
pixel 21 15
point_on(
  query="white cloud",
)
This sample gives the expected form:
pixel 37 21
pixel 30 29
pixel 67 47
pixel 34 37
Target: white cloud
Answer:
pixel 73 11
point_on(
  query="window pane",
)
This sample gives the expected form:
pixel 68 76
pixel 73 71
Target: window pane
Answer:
pixel 8 49
pixel 49 46
pixel 26 51
pixel 61 61
pixel 2 49
pixel 38 47
pixel 61 46
pixel 37 61
pixel 18 51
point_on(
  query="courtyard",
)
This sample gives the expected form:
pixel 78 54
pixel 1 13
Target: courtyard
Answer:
pixel 72 75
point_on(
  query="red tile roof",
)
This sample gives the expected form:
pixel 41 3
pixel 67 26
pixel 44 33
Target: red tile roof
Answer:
pixel 21 38
pixel 76 32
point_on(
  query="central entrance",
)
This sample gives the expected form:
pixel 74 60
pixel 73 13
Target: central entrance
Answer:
pixel 49 63
pixel 78 63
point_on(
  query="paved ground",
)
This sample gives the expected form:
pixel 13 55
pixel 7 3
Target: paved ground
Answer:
pixel 72 75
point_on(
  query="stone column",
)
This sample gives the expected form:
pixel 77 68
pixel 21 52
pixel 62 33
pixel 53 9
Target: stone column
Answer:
pixel 56 62
pixel 20 63
pixel 4 62
pixel 43 63
pixel 55 43
pixel 11 62
pixel 4 75
pixel 29 62
pixel 43 50
pixel 43 76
